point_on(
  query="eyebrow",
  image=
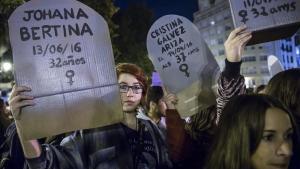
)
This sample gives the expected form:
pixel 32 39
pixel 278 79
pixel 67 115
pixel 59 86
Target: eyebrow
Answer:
pixel 273 131
pixel 135 83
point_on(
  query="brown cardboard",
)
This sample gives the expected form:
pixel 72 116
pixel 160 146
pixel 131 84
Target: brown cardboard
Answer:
pixel 269 20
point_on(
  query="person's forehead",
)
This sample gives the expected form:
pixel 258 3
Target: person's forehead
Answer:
pixel 277 119
pixel 127 78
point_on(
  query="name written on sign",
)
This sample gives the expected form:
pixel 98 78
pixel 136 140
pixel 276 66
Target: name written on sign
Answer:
pixel 170 38
pixel 168 35
pixel 262 8
pixel 50 31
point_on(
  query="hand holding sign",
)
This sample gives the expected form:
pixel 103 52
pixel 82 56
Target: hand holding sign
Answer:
pixel 184 62
pixel 236 42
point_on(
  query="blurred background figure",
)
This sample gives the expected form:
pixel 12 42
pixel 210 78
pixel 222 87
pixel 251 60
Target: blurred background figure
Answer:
pixel 156 106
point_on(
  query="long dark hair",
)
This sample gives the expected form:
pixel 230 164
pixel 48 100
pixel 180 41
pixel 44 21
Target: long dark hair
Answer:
pixel 240 131
pixel 285 86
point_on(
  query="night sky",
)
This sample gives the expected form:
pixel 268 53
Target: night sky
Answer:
pixel 163 7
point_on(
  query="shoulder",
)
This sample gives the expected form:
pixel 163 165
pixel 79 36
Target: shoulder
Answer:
pixel 91 135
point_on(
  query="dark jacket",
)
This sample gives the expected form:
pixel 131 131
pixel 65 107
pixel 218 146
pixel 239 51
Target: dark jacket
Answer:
pixel 100 148
pixel 11 151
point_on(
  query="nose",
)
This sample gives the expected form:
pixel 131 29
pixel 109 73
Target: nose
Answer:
pixel 285 149
pixel 129 92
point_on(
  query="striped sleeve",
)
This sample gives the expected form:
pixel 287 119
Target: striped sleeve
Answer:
pixel 231 83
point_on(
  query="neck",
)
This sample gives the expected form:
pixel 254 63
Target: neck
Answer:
pixel 130 120
pixel 155 117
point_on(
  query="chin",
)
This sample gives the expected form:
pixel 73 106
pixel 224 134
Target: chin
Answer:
pixel 128 109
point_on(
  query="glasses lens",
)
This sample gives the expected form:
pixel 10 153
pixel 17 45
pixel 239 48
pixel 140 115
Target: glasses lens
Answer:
pixel 123 88
pixel 137 89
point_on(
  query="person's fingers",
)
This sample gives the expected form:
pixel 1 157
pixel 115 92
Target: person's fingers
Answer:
pixel 243 35
pixel 238 38
pixel 236 31
pixel 239 41
pixel 16 111
pixel 246 39
pixel 165 90
pixel 172 98
pixel 24 103
pixel 19 98
pixel 19 101
pixel 18 89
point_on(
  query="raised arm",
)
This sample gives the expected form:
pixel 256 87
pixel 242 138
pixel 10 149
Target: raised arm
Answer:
pixel 231 82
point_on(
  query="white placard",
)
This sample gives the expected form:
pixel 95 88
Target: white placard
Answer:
pixel 62 51
pixel 263 14
pixel 184 62
pixel 268 20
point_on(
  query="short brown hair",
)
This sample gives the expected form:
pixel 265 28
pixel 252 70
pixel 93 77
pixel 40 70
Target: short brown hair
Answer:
pixel 135 71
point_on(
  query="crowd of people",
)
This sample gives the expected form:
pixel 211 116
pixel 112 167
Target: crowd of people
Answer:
pixel 241 131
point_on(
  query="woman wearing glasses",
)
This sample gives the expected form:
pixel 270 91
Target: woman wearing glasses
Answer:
pixel 135 143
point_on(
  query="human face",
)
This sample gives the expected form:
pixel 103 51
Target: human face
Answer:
pixel 275 148
pixel 130 100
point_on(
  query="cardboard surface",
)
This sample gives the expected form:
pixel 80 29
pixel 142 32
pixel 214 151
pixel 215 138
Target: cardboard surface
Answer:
pixel 268 19
pixel 184 62
pixel 62 51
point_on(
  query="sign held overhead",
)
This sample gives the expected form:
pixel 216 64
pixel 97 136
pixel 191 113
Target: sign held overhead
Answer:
pixel 268 19
pixel 184 62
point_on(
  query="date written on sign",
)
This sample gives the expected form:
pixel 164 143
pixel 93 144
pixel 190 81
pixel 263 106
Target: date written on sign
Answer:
pixel 56 49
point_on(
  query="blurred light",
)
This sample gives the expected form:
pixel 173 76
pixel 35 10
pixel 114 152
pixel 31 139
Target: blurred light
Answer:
pixel 297 51
pixel 249 82
pixel 156 79
pixel 212 22
pixel 6 66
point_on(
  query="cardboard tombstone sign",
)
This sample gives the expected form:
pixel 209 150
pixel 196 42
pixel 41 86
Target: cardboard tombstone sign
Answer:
pixel 62 51
pixel 268 19
pixel 274 65
pixel 184 62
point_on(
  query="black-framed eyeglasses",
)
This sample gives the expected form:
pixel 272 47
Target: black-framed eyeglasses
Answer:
pixel 124 88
